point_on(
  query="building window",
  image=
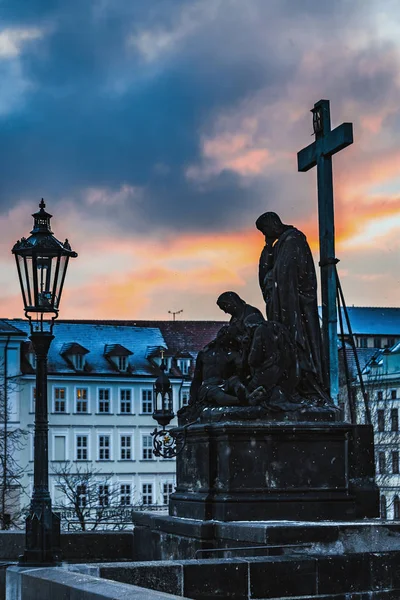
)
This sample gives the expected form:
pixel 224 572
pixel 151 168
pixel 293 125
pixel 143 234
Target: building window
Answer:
pixel 59 447
pixel 104 495
pixel 81 447
pixel 147 493
pixel 395 462
pixel 81 400
pixel 168 488
pixel 383 507
pixel 104 400
pixel 122 363
pixel 126 447
pixel 185 398
pixel 396 508
pixel 364 342
pixel 33 399
pixel 125 401
pixel 381 420
pixel 184 365
pixel 78 361
pixel 125 494
pixel 379 395
pixel 382 463
pixel 393 394
pixel 81 495
pixel 377 342
pixel 391 342
pixel 147 402
pixel 59 399
pixel 147 447
pixel 104 447
pixel 394 419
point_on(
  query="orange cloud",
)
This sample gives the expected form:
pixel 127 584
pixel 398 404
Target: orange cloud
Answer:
pixel 234 151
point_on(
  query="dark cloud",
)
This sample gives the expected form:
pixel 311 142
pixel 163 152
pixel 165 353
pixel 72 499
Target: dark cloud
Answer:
pixel 99 115
pixel 76 132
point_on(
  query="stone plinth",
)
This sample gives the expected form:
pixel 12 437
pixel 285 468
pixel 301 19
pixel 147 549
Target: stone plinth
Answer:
pixel 158 537
pixel 233 469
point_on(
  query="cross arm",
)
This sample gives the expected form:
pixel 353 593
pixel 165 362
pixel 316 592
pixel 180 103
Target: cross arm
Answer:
pixel 337 139
pixel 307 157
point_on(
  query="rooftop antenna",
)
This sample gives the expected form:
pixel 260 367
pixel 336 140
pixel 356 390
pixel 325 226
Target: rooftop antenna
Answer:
pixel 174 313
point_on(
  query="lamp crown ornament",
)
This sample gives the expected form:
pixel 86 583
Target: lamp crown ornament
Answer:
pixel 41 219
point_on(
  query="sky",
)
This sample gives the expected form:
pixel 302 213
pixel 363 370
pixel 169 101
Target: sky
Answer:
pixel 157 132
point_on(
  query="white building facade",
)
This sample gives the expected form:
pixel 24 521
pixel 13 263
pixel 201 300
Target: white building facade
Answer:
pixel 377 338
pixel 100 401
pixel 382 381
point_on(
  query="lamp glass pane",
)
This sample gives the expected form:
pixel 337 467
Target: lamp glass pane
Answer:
pixel 45 276
pixel 59 282
pixel 22 279
pixel 166 403
pixel 28 277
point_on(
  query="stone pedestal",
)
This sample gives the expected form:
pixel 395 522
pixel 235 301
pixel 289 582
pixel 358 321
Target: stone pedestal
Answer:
pixel 236 469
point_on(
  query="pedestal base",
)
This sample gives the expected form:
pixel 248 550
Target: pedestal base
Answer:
pixel 255 471
pixel 42 539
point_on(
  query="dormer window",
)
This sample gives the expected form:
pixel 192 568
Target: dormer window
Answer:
pixel 167 361
pixel 156 354
pixel 184 365
pixel 118 356
pixel 75 355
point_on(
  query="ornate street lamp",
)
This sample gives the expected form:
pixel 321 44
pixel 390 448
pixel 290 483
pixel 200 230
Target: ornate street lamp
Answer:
pixel 166 442
pixel 42 263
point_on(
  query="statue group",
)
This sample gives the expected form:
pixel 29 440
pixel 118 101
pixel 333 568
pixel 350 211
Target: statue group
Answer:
pixel 275 363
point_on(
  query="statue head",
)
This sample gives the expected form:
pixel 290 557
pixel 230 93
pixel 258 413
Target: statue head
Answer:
pixel 231 303
pixel 270 225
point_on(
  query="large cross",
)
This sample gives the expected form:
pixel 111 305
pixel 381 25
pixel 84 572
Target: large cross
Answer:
pixel 319 154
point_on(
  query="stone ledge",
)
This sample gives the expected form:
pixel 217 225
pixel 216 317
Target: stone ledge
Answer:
pixel 53 583
pixel 329 577
pixel 79 545
pixel 160 537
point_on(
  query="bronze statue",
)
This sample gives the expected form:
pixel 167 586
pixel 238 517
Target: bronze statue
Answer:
pixel 289 286
pixel 275 365
pixel 215 379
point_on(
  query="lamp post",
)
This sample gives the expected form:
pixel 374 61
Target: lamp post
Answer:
pixel 166 442
pixel 42 263
pixel 163 413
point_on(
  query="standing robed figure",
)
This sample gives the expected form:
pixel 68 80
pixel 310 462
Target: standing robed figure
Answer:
pixel 289 287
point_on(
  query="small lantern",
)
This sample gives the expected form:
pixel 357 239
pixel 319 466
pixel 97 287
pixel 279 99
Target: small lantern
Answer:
pixel 162 397
pixel 42 265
